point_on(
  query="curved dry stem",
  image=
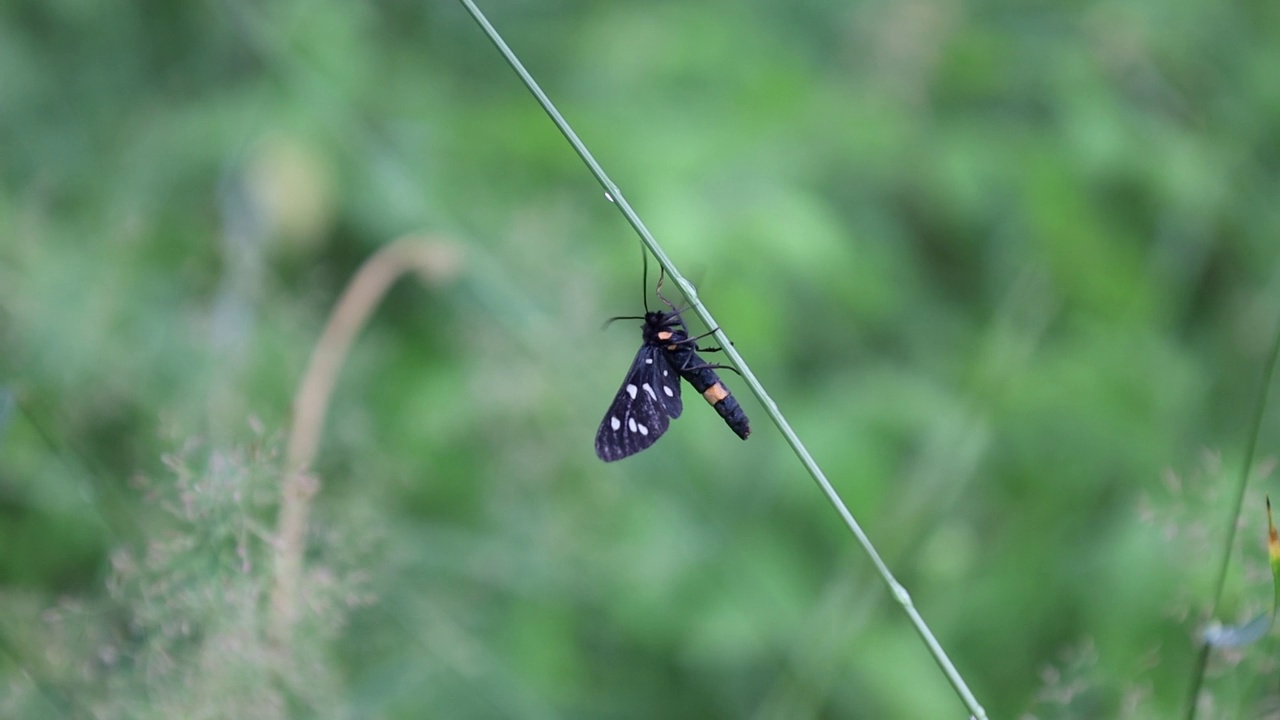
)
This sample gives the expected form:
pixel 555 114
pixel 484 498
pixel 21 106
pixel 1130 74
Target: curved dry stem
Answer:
pixel 426 257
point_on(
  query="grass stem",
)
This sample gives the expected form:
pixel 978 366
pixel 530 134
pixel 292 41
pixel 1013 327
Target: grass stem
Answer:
pixel 1233 521
pixel 771 408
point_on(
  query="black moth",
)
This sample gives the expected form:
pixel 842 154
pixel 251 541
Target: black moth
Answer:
pixel 650 396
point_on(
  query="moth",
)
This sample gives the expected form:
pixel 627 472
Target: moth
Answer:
pixel 650 395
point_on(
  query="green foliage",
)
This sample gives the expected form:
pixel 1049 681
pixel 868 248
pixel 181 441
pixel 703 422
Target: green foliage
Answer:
pixel 180 629
pixel 1009 269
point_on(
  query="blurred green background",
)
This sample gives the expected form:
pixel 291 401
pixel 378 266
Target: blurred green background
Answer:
pixel 1010 269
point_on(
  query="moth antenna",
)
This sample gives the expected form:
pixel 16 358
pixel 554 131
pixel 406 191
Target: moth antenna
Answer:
pixel 658 290
pixel 677 312
pixel 609 322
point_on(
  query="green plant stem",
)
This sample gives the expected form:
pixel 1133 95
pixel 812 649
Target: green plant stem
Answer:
pixel 771 408
pixel 1233 521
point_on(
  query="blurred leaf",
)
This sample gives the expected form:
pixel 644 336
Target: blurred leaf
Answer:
pixel 1217 635
pixel 1238 635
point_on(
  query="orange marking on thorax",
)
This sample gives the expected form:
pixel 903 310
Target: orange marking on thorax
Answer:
pixel 715 393
pixel 664 335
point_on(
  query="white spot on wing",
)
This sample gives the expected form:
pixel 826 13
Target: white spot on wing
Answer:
pixel 615 423
pixel 664 373
pixel 643 430
pixel 666 390
pixel 632 390
pixel 631 424
pixel 652 395
pixel 648 361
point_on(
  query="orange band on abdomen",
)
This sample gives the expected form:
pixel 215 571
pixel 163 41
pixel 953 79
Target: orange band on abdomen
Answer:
pixel 715 393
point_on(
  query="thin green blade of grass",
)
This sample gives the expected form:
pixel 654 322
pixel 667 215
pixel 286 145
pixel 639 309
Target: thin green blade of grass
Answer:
pixel 1233 522
pixel 896 589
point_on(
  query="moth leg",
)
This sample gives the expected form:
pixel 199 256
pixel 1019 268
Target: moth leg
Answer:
pixel 708 366
pixel 694 340
pixel 716 366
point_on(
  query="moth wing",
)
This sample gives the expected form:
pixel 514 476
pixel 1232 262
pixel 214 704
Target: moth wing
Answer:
pixel 640 413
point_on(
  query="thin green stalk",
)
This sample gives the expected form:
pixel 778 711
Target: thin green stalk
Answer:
pixel 1233 521
pixel 895 588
